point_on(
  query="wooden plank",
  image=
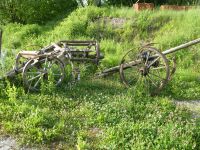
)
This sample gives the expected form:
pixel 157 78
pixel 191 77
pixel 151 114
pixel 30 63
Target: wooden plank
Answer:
pixel 79 43
pixel 115 69
pixel 182 46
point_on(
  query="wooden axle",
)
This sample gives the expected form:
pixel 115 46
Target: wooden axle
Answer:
pixel 115 69
pixel 188 44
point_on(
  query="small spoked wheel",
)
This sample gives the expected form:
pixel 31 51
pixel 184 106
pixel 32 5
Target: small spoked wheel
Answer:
pixel 20 62
pixel 42 69
pixel 149 68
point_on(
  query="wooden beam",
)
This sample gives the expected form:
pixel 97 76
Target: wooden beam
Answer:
pixel 182 46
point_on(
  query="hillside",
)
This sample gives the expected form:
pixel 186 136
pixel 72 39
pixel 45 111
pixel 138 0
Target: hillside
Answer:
pixel 102 113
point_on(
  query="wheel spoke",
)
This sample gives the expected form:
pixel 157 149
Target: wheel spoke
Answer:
pixel 147 58
pixel 147 85
pixel 34 77
pixel 152 80
pixel 138 80
pixel 156 76
pixel 153 62
pixel 50 65
pixel 35 85
pixel 33 73
pixel 45 64
pixel 157 68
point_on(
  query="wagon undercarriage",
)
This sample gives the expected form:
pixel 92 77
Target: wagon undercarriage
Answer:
pixel 49 63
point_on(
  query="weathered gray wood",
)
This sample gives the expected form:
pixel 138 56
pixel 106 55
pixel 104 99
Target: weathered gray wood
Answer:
pixel 28 54
pixel 78 43
pixel 188 44
pixel 115 69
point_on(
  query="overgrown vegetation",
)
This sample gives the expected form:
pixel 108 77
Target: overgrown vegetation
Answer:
pixel 102 114
pixel 38 11
pixel 41 11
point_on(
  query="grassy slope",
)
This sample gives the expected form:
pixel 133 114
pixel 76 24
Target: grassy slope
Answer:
pixel 96 114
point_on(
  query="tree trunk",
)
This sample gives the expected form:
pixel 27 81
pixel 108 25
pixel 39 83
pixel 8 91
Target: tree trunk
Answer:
pixel 1 33
pixel 81 2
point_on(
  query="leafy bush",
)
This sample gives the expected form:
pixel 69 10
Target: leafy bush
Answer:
pixel 38 11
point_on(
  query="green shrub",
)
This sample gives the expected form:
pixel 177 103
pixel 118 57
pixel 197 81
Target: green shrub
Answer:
pixel 39 11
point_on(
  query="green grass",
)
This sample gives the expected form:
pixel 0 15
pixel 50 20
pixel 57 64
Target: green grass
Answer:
pixel 102 113
pixel 96 115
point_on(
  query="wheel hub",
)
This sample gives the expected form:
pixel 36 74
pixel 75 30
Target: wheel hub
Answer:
pixel 144 71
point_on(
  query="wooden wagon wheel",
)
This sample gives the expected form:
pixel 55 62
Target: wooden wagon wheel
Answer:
pixel 42 68
pixel 22 58
pixel 149 66
pixel 19 62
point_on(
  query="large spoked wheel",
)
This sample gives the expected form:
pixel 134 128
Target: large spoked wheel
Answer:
pixel 42 69
pixel 149 68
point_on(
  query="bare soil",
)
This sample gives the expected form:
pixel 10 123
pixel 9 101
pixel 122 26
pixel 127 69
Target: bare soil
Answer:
pixel 7 143
pixel 191 105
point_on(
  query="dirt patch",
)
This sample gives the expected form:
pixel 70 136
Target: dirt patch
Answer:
pixel 7 143
pixel 193 106
pixel 114 22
